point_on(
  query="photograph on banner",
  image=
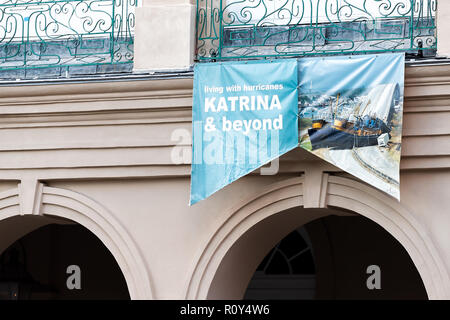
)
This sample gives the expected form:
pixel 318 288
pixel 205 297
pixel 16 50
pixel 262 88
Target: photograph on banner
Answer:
pixel 350 114
pixel 245 114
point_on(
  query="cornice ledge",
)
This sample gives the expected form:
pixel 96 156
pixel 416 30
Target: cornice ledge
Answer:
pixel 15 95
pixel 427 75
pixel 89 90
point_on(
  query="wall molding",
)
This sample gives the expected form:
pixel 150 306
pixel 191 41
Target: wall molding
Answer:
pixel 342 193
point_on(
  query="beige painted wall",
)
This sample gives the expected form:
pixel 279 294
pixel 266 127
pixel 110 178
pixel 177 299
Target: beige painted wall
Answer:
pixel 173 46
pixel 110 145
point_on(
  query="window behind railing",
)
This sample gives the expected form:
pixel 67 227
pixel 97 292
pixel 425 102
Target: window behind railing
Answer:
pixel 233 29
pixel 65 34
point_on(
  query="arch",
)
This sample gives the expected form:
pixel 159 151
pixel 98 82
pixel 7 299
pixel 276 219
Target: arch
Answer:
pixel 67 204
pixel 341 193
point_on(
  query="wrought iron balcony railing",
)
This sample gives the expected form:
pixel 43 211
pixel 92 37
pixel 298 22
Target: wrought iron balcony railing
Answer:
pixel 232 29
pixel 65 33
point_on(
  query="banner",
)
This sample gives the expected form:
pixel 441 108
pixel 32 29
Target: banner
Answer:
pixel 351 111
pixel 245 114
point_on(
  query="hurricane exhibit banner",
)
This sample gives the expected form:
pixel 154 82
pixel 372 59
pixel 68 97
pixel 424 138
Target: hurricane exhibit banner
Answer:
pixel 245 114
pixel 350 114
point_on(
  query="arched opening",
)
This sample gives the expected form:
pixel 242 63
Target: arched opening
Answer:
pixel 259 222
pixel 343 245
pixel 337 257
pixel 33 205
pixel 54 259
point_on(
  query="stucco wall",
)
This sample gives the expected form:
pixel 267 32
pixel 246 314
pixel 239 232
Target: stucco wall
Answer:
pixel 111 143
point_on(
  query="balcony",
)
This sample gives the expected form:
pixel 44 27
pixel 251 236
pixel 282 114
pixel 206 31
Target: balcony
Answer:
pixel 40 38
pixel 238 29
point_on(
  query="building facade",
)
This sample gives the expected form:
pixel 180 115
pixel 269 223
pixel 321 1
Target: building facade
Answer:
pixel 95 173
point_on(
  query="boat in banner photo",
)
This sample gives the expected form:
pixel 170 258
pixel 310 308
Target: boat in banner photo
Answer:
pixel 354 122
